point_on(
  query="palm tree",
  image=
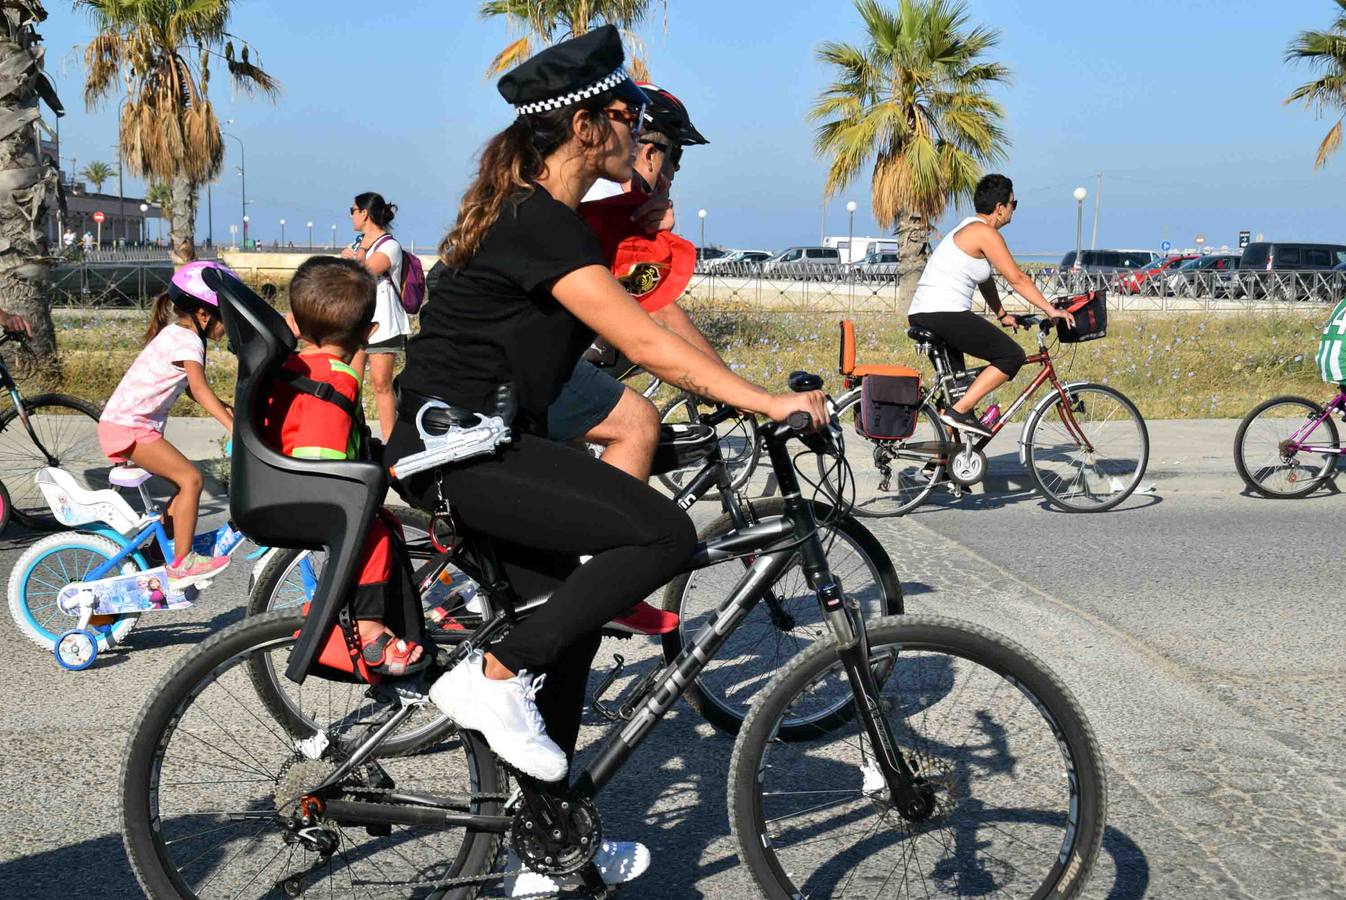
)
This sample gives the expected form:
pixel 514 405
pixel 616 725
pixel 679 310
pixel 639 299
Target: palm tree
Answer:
pixel 29 185
pixel 915 101
pixel 1324 51
pixel 97 172
pixel 548 21
pixel 162 49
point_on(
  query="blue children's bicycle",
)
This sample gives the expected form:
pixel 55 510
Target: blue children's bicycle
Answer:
pixel 82 591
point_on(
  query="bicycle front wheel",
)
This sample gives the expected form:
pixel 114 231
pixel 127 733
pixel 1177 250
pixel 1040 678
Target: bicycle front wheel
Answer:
pixel 740 444
pixel 889 477
pixel 782 624
pixel 1019 786
pixel 64 434
pixel 1087 454
pixel 1270 464
pixel 210 780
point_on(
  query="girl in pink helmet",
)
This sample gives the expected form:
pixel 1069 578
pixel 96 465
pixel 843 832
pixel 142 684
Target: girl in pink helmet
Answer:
pixel 132 425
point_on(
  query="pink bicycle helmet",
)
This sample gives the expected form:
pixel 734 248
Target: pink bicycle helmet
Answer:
pixel 188 289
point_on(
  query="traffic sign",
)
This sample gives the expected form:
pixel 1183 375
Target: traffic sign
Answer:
pixel 1165 246
pixel 1243 239
pixel 99 217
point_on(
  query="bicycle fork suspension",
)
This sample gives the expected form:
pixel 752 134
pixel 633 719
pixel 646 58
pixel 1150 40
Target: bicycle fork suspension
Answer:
pixel 842 614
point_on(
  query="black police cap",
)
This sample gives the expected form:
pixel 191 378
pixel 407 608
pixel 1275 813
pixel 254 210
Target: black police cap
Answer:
pixel 570 72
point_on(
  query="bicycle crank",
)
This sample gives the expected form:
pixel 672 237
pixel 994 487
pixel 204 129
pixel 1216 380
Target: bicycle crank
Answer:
pixel 967 467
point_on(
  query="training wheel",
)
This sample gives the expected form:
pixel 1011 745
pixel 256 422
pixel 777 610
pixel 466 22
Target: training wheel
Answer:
pixel 76 649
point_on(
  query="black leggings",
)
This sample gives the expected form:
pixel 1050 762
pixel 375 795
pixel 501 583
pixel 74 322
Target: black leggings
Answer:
pixel 967 332
pixel 547 504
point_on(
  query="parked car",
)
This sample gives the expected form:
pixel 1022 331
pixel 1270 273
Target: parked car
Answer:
pixel 1299 270
pixel 1150 278
pixel 877 266
pixel 1109 260
pixel 1190 278
pixel 738 262
pixel 804 263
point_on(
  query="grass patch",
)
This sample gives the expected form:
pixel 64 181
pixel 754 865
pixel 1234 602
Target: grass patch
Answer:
pixel 1173 365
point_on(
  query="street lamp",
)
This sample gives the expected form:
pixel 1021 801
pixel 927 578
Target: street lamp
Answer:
pixel 243 174
pixel 144 238
pixel 701 214
pixel 850 233
pixel 1080 194
pixel 310 237
pixel 282 232
pixel 333 237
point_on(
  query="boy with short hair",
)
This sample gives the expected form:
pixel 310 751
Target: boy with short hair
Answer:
pixel 314 413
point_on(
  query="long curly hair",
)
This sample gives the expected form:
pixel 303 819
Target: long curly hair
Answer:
pixel 510 163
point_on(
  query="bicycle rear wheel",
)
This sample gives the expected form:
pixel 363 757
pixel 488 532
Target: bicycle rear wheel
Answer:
pixel 1266 462
pixel 1093 479
pixel 209 779
pixel 1019 784
pixel 286 583
pixel 779 627
pixel 67 429
pixel 740 444
pixel 890 477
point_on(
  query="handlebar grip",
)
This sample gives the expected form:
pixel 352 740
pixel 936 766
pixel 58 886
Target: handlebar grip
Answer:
pixel 799 421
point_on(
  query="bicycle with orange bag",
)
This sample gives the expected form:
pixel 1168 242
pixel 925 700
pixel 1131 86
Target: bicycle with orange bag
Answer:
pixel 1085 445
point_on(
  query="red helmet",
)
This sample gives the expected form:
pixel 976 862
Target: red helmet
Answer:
pixel 666 114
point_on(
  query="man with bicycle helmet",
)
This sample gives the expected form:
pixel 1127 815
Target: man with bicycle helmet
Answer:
pixel 131 429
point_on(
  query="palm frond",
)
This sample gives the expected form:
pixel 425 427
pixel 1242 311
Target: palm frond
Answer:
pixel 1331 144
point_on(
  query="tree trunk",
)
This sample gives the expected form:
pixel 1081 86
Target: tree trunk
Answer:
pixel 913 248
pixel 182 223
pixel 27 183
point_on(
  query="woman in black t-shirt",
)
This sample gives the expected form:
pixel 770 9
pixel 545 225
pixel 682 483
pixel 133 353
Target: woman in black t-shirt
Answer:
pixel 525 289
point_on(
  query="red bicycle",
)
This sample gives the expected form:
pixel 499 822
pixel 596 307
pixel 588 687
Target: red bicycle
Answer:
pixel 1084 444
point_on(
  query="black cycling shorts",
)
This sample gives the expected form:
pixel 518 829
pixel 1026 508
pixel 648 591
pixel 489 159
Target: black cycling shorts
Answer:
pixel 968 333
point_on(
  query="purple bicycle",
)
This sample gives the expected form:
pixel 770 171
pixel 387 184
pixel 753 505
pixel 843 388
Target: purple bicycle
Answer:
pixel 1288 446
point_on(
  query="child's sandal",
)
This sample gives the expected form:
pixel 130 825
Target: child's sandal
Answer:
pixel 390 655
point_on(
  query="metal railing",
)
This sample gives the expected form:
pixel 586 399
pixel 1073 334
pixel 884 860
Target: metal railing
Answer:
pixel 860 289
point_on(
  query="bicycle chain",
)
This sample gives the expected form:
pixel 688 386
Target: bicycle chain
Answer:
pixel 459 881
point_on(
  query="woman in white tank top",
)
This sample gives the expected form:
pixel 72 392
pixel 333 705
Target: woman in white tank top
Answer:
pixel 960 266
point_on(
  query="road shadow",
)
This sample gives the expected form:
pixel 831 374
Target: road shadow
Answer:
pixel 92 868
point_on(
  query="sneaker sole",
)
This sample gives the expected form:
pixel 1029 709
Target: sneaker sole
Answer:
pixel 963 426
pixel 187 581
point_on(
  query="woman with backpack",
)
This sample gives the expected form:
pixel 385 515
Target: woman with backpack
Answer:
pixel 381 254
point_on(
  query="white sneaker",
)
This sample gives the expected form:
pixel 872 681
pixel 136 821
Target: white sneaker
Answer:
pixel 505 712
pixel 618 862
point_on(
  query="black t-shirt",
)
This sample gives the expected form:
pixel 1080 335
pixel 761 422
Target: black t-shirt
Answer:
pixel 495 320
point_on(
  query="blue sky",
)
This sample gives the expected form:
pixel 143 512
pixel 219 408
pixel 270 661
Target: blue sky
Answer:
pixel 1177 103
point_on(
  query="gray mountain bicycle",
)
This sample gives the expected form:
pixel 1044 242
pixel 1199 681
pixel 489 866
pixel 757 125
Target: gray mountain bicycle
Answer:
pixel 952 761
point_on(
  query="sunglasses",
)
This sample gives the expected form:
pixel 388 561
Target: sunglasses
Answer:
pixel 356 209
pixel 634 118
pixel 672 151
pixel 1013 205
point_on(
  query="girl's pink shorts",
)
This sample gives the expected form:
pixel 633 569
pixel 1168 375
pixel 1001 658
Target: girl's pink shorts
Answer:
pixel 118 440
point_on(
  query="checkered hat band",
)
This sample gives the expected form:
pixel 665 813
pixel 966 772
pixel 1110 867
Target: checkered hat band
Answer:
pixel 598 87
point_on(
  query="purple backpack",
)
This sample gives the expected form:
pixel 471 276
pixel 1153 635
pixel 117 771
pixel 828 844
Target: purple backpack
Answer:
pixel 411 292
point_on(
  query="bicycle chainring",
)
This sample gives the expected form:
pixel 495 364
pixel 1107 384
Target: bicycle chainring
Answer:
pixel 967 467
pixel 548 851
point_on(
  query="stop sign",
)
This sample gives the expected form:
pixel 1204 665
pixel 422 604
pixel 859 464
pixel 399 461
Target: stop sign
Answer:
pixel 98 217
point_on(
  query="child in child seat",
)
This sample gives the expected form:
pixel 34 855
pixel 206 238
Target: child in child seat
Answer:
pixel 331 312
pixel 132 425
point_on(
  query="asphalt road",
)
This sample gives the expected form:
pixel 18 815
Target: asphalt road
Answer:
pixel 1201 630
